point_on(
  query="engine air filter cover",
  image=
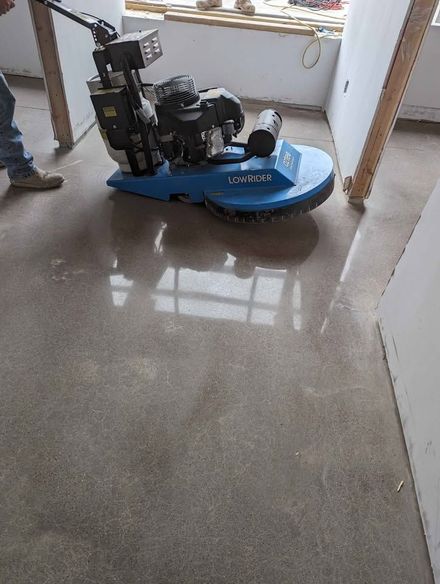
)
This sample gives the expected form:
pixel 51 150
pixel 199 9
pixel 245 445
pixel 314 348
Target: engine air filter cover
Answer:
pixel 176 92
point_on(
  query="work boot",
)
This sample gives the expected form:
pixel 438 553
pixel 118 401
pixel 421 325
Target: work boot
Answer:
pixel 41 179
pixel 245 6
pixel 208 4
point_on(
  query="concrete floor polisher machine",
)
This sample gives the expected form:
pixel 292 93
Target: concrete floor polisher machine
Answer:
pixel 183 145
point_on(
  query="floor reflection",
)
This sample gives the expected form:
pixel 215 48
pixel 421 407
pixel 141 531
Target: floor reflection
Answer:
pixel 220 294
pixel 120 287
pixel 191 264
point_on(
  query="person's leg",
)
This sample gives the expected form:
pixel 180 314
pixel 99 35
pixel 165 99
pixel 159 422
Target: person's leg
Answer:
pixel 13 155
pixel 19 163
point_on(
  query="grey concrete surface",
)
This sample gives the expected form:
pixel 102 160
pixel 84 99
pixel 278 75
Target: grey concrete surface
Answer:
pixel 185 401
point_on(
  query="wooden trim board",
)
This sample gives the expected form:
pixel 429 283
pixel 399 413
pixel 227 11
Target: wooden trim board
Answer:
pixel 416 25
pixel 201 18
pixel 282 25
pixel 45 35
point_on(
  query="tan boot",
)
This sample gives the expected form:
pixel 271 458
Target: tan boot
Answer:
pixel 208 4
pixel 245 6
pixel 39 180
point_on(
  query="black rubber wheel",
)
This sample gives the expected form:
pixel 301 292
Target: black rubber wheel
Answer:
pixel 272 215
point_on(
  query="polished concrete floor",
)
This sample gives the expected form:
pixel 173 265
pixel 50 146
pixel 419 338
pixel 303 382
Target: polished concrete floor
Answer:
pixel 185 401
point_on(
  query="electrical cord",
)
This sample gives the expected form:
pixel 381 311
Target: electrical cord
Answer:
pixel 338 19
pixel 307 10
pixel 316 32
pixel 317 5
pixel 317 39
pixel 310 10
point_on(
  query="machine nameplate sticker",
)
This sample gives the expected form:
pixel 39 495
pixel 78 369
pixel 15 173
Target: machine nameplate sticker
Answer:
pixel 249 178
pixel 110 112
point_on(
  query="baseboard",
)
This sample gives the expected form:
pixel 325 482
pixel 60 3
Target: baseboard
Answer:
pixel 7 71
pixel 264 103
pixel 419 113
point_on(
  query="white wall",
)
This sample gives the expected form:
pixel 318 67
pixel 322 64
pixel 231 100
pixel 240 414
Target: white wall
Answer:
pixel 370 36
pixel 18 47
pixel 410 322
pixel 422 99
pixel 254 64
pixel 75 47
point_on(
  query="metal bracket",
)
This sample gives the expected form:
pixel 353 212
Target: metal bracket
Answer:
pixel 102 32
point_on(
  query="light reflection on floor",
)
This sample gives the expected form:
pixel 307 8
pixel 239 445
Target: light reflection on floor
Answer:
pixel 189 267
pixel 220 294
pixel 120 287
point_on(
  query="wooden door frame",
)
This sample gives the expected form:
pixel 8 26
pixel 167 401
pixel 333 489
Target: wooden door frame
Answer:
pixel 418 20
pixel 53 77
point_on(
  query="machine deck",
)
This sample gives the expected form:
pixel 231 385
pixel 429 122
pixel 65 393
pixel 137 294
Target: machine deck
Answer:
pixel 293 180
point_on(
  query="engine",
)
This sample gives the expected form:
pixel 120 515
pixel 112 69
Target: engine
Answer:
pixel 195 127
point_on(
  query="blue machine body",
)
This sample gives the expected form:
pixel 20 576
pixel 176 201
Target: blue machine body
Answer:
pixel 290 176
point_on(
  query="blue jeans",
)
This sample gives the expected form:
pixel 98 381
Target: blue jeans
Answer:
pixel 18 161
